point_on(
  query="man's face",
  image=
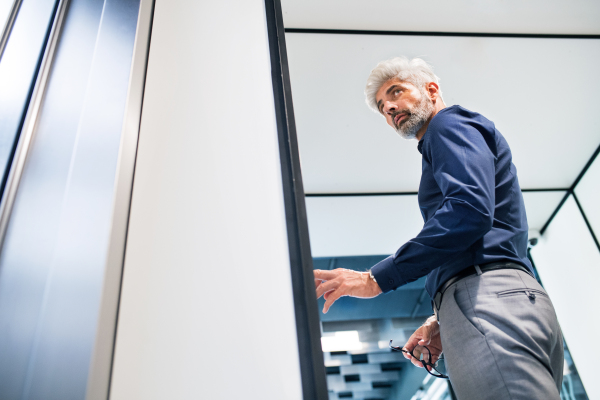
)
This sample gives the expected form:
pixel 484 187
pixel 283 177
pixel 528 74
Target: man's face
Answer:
pixel 404 106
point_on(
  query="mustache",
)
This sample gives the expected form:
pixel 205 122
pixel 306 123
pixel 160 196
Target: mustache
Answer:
pixel 405 111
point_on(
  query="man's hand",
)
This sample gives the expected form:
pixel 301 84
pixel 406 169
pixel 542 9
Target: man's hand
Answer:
pixel 344 282
pixel 427 335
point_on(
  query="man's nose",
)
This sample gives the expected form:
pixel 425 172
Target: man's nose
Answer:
pixel 388 106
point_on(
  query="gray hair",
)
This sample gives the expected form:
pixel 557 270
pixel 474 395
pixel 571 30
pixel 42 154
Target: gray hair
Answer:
pixel 415 71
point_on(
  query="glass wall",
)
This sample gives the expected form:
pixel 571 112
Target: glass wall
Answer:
pixel 568 261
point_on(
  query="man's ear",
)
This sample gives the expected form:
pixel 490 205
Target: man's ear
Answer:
pixel 433 89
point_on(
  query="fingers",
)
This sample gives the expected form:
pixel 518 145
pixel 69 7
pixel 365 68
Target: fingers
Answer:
pixel 327 287
pixel 324 281
pixel 331 298
pixel 343 282
pixel 426 338
pixel 425 334
pixel 325 275
pixel 416 360
pixel 421 337
pixel 414 339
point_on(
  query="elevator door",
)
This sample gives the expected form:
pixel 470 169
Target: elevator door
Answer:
pixel 54 250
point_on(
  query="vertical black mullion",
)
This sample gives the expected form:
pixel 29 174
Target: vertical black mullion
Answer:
pixel 312 368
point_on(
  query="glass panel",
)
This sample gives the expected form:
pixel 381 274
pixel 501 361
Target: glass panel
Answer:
pixel 568 263
pixel 52 262
pixel 18 70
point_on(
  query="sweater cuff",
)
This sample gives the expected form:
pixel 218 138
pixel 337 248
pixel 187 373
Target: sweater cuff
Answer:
pixel 386 275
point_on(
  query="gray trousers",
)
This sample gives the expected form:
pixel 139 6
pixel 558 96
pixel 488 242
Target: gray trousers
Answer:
pixel 501 339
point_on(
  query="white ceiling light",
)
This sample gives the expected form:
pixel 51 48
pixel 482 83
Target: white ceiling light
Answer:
pixel 341 341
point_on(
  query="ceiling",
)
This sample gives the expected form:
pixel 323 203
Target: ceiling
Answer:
pixel 540 93
pixel 505 16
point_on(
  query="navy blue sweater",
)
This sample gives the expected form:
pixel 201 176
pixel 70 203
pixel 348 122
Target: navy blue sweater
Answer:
pixel 470 200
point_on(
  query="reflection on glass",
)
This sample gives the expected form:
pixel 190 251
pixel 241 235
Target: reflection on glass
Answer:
pixel 18 69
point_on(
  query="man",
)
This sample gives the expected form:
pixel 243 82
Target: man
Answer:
pixel 494 322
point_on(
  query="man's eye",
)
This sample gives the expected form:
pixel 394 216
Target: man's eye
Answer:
pixel 396 92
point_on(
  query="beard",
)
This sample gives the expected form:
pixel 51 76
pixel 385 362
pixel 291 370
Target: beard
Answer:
pixel 417 117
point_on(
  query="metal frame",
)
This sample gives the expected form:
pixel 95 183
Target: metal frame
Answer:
pixel 10 21
pixel 570 191
pixel 359 194
pixel 430 33
pixel 29 125
pixel 587 222
pixel 99 378
pixel 312 366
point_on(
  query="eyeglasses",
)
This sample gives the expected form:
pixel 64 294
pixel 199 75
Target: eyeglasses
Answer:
pixel 437 369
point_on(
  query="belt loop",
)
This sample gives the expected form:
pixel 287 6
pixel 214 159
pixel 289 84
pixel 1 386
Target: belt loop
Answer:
pixel 478 270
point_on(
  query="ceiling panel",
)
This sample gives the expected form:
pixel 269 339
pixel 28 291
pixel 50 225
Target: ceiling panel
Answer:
pixel 516 16
pixel 541 94
pixel 540 206
pixel 361 225
pixel 371 225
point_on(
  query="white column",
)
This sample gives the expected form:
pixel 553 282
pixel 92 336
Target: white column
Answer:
pixel 206 306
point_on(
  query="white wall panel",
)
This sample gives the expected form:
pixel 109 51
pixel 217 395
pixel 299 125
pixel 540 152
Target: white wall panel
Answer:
pixel 363 225
pixel 345 147
pixel 568 262
pixel 588 194
pixel 206 309
pixel 508 16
